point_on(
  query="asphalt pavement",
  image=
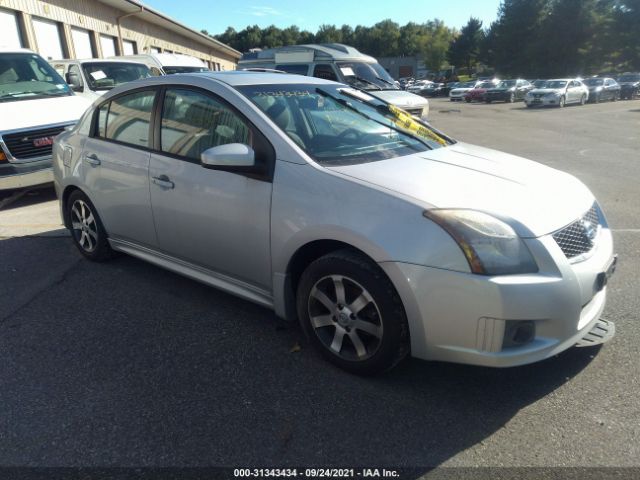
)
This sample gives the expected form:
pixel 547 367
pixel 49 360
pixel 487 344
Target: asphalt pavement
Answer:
pixel 125 364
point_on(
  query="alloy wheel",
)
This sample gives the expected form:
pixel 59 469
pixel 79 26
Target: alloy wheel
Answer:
pixel 84 226
pixel 345 318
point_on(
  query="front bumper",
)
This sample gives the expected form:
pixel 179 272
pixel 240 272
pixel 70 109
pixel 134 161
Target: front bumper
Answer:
pixel 26 179
pixel 462 317
pixel 540 102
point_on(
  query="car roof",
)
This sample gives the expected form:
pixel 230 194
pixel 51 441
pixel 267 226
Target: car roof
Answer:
pixel 96 60
pixel 4 49
pixel 240 77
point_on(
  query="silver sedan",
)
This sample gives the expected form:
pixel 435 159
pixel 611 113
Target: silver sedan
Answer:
pixel 381 235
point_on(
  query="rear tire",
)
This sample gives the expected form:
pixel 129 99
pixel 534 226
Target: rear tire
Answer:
pixel 351 313
pixel 87 230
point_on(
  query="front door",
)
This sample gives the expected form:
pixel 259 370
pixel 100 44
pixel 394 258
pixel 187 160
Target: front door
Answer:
pixel 215 219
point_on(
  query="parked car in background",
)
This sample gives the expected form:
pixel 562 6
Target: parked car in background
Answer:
pixel 167 63
pixel 93 77
pixel 629 85
pixel 477 93
pixel 340 63
pixel 458 93
pixel 558 92
pixel 508 91
pixel 337 210
pixel 602 89
pixel 35 105
pixel 418 86
pixel 434 90
pixel 448 87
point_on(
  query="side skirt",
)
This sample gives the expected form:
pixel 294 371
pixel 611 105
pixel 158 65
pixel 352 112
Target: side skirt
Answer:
pixel 199 274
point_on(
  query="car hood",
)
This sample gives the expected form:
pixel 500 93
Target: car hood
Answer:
pixel 461 90
pixel 629 84
pixel 400 98
pixel 533 198
pixel 43 111
pixel 547 90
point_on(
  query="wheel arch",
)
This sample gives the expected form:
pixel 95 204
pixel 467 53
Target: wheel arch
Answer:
pixel 64 198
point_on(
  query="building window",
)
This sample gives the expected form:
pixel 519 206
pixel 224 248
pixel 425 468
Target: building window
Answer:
pixel 154 49
pixel 129 47
pixel 108 45
pixel 82 43
pixel 10 29
pixel 48 38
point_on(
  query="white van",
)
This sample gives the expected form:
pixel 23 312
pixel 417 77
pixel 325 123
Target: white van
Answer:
pixel 167 63
pixel 35 105
pixel 340 63
pixel 93 77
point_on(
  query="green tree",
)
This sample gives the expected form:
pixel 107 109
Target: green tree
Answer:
pixel 465 48
pixel 328 34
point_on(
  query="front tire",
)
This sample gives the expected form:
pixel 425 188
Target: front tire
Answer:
pixel 87 230
pixel 352 314
pixel 561 102
pixel 512 98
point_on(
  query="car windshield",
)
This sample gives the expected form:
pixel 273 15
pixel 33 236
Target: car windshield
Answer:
pixel 25 76
pixel 507 84
pixel 594 82
pixel 467 85
pixel 338 125
pixel 485 85
pixel 107 75
pixel 368 76
pixel 556 84
pixel 540 83
pixel 171 70
pixel 629 78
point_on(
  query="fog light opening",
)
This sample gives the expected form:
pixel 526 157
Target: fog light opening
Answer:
pixel 518 333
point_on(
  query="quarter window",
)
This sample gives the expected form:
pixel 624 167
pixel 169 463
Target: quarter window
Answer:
pixel 193 122
pixel 126 119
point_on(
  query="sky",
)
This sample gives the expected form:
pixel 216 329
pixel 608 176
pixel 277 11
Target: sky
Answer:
pixel 215 17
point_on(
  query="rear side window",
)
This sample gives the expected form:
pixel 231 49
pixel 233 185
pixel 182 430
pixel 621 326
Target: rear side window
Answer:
pixel 193 122
pixel 127 119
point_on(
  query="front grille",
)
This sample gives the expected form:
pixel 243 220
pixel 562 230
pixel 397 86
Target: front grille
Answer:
pixel 579 237
pixel 21 144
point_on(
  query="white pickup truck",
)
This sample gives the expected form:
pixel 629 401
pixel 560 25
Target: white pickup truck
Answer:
pixel 35 105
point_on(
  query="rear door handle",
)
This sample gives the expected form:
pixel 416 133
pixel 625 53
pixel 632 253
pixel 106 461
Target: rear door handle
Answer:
pixel 163 181
pixel 92 159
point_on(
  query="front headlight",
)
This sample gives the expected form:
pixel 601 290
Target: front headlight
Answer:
pixel 490 246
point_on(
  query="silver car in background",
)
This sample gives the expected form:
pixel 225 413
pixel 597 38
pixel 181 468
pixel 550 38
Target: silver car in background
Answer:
pixel 558 93
pixel 381 235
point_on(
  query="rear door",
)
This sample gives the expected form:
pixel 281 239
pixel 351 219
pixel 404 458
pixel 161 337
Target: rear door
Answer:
pixel 216 219
pixel 115 166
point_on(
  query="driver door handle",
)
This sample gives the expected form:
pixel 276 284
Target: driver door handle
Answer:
pixel 163 182
pixel 92 159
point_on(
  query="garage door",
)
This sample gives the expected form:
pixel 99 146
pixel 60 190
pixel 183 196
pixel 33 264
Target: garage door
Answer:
pixel 10 30
pixel 108 45
pixel 82 43
pixel 129 47
pixel 48 38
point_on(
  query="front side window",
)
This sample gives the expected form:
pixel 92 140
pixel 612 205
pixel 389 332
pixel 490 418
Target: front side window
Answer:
pixel 325 72
pixel 337 125
pixel 107 75
pixel 193 122
pixel 26 76
pixel 127 119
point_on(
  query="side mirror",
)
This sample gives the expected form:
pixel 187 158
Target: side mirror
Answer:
pixel 74 81
pixel 228 156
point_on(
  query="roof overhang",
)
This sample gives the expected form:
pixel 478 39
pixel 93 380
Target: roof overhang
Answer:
pixel 153 16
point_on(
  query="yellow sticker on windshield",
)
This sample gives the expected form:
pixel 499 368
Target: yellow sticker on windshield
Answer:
pixel 406 121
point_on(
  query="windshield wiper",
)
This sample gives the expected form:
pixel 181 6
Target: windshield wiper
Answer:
pixel 386 81
pixel 368 82
pixel 345 103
